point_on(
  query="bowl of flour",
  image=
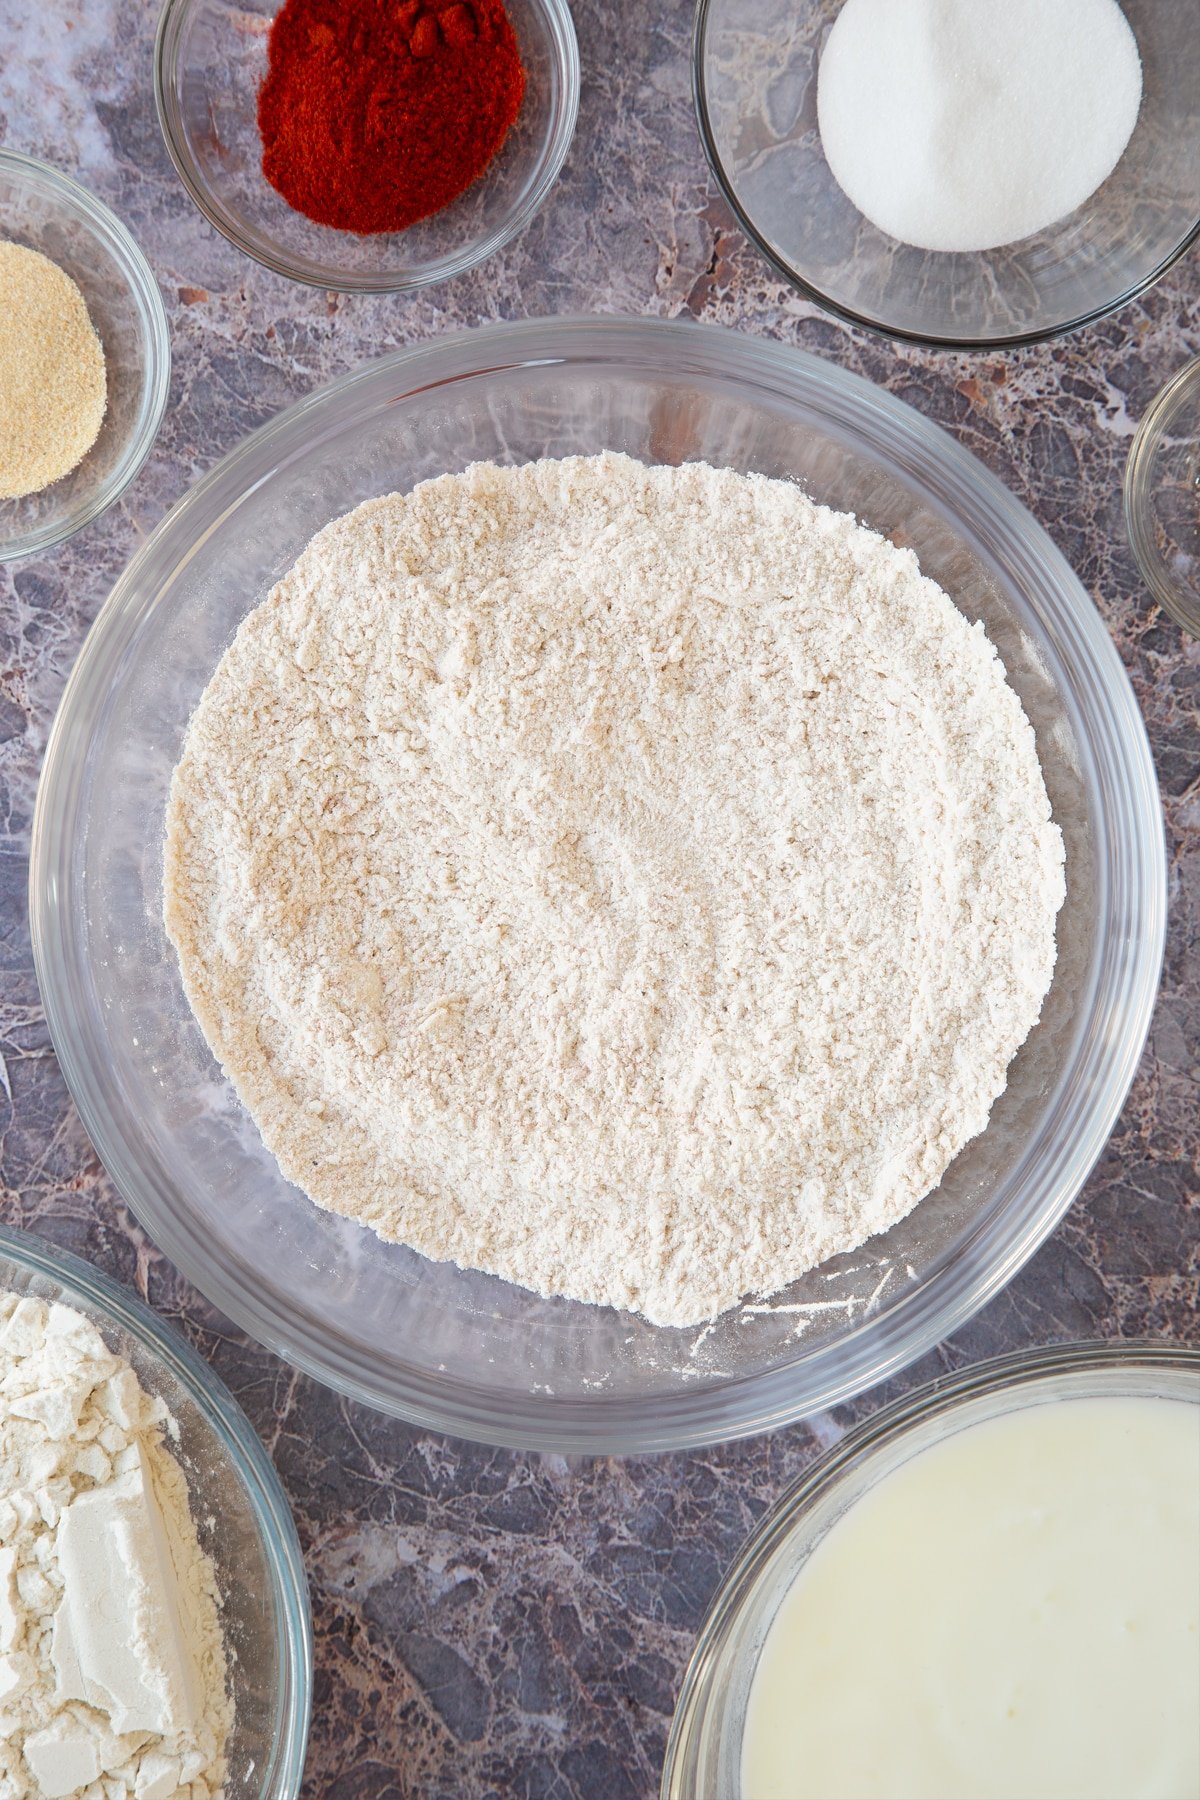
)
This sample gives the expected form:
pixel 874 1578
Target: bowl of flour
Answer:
pixel 154 1622
pixel 599 885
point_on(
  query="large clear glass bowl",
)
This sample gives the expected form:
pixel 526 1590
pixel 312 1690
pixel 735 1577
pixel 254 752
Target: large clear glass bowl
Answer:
pixel 465 1352
pixel 210 58
pixel 239 1508
pixel 704 1751
pixel 755 79
pixel 48 212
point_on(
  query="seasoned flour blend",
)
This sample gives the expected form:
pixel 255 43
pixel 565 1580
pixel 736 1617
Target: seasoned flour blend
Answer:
pixel 631 881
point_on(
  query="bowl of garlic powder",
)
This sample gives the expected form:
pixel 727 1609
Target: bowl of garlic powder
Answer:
pixel 85 357
pixel 523 950
pixel 155 1636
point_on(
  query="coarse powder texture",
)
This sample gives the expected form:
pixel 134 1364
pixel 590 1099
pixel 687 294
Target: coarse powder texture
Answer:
pixel 967 124
pixel 630 881
pixel 112 1661
pixel 53 387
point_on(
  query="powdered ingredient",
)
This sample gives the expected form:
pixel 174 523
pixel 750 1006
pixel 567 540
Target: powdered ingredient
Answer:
pixel 631 881
pixel 112 1665
pixel 53 387
pixel 967 124
pixel 375 114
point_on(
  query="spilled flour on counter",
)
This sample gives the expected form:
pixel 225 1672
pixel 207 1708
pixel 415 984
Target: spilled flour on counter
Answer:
pixel 112 1663
pixel 634 882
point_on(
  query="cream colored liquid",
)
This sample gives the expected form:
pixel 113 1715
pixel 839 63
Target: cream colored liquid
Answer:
pixel 1011 1615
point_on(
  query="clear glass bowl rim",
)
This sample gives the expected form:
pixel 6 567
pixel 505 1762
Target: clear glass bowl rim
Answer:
pixel 987 1258
pixel 152 313
pixel 291 1608
pixel 1139 472
pixel 794 278
pixel 561 25
pixel 942 1396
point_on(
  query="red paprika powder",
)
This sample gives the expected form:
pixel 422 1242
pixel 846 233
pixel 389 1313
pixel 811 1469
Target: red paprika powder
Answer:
pixel 376 113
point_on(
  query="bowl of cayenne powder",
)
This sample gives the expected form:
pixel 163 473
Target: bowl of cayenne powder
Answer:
pixel 365 147
pixel 144 1673
pixel 85 357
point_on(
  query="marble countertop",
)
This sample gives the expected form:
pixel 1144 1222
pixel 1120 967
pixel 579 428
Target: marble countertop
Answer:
pixel 492 1624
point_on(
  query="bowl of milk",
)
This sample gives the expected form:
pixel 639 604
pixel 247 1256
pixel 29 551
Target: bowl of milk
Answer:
pixel 990 1590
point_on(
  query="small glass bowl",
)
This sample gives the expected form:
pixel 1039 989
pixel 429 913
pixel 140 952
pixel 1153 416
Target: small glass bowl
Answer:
pixel 755 80
pixel 47 211
pixel 238 1505
pixel 704 1750
pixel 1162 497
pixel 209 63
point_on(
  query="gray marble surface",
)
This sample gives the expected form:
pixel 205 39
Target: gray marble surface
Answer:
pixel 488 1623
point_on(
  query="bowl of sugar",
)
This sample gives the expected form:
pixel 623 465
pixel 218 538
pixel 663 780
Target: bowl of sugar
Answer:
pixel 987 1591
pixel 967 173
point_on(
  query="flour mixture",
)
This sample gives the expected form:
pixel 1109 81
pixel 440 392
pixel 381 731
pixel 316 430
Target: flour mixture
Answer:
pixel 631 881
pixel 112 1662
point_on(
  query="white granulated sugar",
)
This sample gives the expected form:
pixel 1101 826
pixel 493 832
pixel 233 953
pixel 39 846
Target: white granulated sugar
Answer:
pixel 112 1663
pixel 966 124
pixel 631 881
